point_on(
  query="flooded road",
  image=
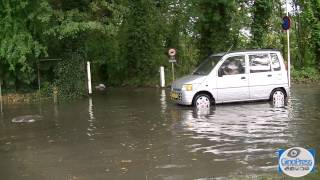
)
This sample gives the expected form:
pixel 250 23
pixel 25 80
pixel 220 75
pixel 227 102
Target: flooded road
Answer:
pixel 139 134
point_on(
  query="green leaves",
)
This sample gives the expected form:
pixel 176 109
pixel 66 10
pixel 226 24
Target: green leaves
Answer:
pixel 127 40
pixel 70 79
pixel 262 12
pixel 71 24
pixel 18 47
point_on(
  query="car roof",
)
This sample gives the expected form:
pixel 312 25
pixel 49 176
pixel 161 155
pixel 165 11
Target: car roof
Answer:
pixel 245 51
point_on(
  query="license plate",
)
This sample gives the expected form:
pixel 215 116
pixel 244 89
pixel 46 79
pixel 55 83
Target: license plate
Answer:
pixel 174 95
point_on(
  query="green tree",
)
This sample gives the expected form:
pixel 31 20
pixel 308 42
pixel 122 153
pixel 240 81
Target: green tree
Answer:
pixel 262 11
pixel 141 49
pixel 21 45
pixel 79 28
pixel 307 16
pixel 214 25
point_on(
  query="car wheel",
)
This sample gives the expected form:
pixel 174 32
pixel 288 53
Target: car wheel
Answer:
pixel 278 95
pixel 202 101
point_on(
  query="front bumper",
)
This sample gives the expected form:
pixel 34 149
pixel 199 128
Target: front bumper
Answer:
pixel 182 97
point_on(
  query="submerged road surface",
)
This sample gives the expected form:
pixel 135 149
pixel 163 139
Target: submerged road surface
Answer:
pixel 139 134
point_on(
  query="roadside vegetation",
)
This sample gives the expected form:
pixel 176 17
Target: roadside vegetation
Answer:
pixel 126 41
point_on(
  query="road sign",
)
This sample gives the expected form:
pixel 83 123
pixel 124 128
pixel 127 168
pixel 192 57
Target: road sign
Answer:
pixel 172 52
pixel 172 59
pixel 286 24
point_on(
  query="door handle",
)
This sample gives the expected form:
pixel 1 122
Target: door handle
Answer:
pixel 243 77
pixel 269 75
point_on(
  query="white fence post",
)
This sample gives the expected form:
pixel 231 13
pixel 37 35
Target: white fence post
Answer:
pixel 162 77
pixel 89 78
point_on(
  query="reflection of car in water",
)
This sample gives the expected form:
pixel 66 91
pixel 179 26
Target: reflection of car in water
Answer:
pixel 232 128
pixel 232 77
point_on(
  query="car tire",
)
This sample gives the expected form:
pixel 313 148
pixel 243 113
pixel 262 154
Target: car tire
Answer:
pixel 278 95
pixel 202 101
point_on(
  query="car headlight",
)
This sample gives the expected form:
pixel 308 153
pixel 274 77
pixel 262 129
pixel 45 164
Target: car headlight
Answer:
pixel 187 87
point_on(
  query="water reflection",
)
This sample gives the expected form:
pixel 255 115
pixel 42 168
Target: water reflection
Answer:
pixel 91 128
pixel 238 132
pixel 142 135
pixel 1 109
pixel 163 101
pixel 279 103
pixel 56 114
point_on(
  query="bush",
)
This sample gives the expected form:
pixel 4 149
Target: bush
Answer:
pixel 71 77
pixel 308 74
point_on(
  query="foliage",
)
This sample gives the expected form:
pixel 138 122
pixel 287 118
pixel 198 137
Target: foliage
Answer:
pixel 262 12
pixel 308 74
pixel 140 46
pixel 19 45
pixel 214 25
pixel 71 76
pixel 308 33
pixel 46 89
pixel 126 40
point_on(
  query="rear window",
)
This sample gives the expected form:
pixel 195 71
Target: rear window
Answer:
pixel 275 62
pixel 259 63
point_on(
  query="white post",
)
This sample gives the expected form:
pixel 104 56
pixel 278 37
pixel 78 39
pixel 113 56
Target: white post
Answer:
pixel 162 77
pixel 288 44
pixel 89 77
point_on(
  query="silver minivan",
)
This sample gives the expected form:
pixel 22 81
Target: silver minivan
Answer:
pixel 233 77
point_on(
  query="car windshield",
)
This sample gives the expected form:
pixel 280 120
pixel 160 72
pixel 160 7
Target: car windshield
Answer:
pixel 207 65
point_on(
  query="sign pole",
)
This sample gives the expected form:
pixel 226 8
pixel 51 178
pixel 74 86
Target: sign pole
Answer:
pixel 172 60
pixel 288 45
pixel 172 66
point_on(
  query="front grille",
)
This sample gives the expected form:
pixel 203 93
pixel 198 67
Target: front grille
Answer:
pixel 176 96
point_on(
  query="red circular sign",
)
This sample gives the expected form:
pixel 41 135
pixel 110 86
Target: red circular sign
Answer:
pixel 172 52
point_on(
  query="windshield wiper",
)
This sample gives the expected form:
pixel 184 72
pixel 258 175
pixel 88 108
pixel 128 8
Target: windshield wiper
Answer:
pixel 198 73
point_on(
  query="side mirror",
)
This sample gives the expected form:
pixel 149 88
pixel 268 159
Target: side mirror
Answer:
pixel 220 72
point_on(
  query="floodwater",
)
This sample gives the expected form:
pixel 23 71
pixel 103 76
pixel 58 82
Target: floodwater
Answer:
pixel 139 134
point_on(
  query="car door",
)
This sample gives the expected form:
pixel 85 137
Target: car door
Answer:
pixel 232 80
pixel 261 79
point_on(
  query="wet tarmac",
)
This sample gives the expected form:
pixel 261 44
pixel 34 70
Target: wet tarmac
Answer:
pixel 139 134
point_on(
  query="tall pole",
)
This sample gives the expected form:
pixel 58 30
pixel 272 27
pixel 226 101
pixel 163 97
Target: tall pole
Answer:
pixel 288 44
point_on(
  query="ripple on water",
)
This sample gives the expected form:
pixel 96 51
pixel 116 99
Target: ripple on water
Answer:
pixel 26 119
pixel 246 132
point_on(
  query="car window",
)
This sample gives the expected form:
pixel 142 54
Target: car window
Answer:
pixel 207 65
pixel 233 65
pixel 259 63
pixel 275 62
